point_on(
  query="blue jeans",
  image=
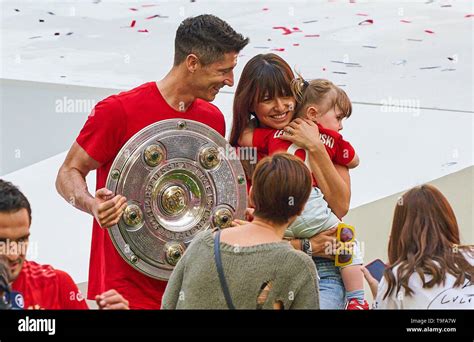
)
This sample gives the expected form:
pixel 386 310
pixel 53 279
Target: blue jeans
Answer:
pixel 332 294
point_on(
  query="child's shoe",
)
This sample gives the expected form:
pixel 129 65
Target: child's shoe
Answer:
pixel 354 304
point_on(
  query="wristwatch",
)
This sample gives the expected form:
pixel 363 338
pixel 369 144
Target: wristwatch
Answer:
pixel 306 247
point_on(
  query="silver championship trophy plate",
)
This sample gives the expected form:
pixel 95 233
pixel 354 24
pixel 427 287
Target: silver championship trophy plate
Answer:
pixel 179 180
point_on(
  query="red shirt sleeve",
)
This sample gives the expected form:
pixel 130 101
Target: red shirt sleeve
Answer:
pixel 70 298
pixel 104 131
pixel 344 152
pixel 261 139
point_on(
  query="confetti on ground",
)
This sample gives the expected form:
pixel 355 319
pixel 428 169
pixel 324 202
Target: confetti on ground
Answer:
pixel 157 16
pixel 369 46
pixel 17 10
pixel 286 30
pixel 446 6
pixel 405 21
pixel 261 47
pixel 279 49
pixel 366 22
pixel 150 5
pixel 400 62
pixel 144 30
pixel 362 14
pixel 429 31
pixel 310 21
pixel 312 35
pixel 296 44
pixel 51 13
pixel 35 37
pixel 133 9
pixel 339 72
pixel 430 67
pixel 133 23
pixel 448 69
pixel 469 16
pixel 414 40
pixel 265 9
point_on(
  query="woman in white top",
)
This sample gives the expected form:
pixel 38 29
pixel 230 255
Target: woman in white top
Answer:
pixel 428 268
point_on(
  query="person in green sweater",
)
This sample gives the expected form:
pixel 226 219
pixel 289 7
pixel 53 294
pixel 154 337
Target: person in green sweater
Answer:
pixel 262 271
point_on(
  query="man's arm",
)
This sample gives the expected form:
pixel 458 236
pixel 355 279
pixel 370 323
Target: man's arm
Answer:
pixel 71 185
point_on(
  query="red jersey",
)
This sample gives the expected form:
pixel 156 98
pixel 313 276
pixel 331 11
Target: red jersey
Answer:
pixel 45 288
pixel 267 142
pixel 111 124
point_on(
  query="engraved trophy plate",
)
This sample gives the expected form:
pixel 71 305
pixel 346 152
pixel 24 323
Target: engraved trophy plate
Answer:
pixel 178 181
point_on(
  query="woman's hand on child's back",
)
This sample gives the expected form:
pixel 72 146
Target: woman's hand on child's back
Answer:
pixel 304 133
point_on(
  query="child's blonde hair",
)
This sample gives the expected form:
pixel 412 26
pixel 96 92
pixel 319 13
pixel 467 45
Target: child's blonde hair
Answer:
pixel 320 92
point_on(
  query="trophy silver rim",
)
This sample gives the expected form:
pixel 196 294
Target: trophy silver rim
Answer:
pixel 188 186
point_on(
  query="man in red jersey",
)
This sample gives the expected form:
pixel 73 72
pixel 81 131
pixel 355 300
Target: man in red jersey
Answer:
pixel 206 50
pixel 41 286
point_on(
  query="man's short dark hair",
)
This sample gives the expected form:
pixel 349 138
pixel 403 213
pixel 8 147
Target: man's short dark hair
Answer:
pixel 12 199
pixel 208 37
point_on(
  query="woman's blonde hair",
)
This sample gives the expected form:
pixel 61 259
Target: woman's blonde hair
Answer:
pixel 320 92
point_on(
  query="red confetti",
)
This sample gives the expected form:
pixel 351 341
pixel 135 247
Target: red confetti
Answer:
pixel 296 44
pixel 153 5
pixel 133 9
pixel 469 16
pixel 145 30
pixel 311 35
pixel 405 21
pixel 366 22
pixel 362 14
pixel 279 49
pixel 265 9
pixel 133 23
pixel 429 31
pixel 286 30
